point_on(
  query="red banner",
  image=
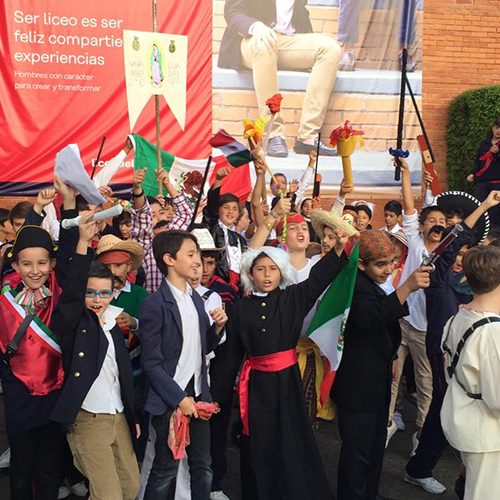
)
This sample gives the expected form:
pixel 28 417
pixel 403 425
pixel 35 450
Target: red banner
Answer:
pixel 63 81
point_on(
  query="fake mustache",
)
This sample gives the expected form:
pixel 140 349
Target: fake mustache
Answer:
pixel 437 229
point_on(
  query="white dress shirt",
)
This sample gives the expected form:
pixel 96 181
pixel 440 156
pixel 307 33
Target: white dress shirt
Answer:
pixel 105 395
pixel 189 363
pixel 284 14
pixel 395 229
pixel 416 251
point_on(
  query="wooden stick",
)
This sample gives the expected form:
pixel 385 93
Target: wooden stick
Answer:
pixel 268 132
pixel 157 112
pixel 98 158
pixel 200 196
pixel 253 147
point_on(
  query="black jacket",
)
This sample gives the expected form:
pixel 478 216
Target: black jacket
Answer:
pixel 211 218
pixel 241 14
pixel 493 172
pixel 441 301
pixel 84 345
pixel 371 340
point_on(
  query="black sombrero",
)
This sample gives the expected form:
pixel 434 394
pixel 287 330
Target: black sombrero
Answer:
pixel 466 203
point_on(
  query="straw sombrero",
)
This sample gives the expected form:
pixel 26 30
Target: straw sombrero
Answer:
pixel 467 204
pixel 321 218
pixel 110 243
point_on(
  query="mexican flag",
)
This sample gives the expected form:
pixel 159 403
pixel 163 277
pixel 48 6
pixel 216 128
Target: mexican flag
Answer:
pixel 185 175
pixel 235 152
pixel 328 325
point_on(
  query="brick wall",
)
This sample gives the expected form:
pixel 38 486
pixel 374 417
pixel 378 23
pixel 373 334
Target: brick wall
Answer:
pixel 461 39
pixel 378 33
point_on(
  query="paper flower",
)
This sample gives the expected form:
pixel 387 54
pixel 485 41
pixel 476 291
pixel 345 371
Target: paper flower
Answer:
pixel 274 103
pixel 255 130
pixel 344 133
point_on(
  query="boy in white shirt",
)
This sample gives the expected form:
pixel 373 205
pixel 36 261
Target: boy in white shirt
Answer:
pixel 470 415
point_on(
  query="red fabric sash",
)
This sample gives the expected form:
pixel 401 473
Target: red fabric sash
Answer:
pixel 270 363
pixel 35 364
pixel 488 159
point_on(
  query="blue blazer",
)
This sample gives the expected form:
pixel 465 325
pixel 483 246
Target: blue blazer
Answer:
pixel 160 331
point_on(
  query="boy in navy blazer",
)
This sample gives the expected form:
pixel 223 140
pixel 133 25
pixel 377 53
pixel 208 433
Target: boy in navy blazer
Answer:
pixel 176 336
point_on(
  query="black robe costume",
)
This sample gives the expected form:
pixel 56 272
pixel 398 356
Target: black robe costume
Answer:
pixel 281 447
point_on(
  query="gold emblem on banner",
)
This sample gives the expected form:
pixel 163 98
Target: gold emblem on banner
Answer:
pixel 135 44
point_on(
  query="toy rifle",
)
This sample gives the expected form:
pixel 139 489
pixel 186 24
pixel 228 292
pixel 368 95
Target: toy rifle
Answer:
pixel 429 260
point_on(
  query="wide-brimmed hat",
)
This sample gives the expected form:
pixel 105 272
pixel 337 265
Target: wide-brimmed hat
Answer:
pixel 205 240
pixel 400 236
pixel 321 218
pixel 466 203
pixel 111 243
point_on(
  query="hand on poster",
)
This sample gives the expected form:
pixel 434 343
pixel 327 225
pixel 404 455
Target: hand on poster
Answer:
pixel 263 38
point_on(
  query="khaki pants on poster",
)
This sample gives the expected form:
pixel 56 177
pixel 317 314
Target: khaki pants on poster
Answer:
pixel 413 342
pixel 103 452
pixel 299 52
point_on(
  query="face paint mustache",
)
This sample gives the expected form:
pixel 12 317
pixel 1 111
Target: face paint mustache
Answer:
pixel 437 229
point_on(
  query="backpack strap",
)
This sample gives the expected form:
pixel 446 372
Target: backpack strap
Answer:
pixel 14 343
pixel 206 295
pixel 451 369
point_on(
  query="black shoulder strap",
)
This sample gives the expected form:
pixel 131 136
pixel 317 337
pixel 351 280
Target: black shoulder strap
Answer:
pixel 14 343
pixel 206 295
pixel 451 369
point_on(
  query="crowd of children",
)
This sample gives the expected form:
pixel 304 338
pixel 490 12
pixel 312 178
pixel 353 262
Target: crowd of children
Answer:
pixel 121 343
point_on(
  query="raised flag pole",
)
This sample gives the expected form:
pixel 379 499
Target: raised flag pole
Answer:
pixel 98 158
pixel 316 180
pixel 157 111
pixel 200 196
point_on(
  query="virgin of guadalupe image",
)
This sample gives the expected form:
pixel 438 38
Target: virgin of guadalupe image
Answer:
pixel 156 66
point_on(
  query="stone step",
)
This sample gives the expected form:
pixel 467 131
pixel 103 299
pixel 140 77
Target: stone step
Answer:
pixel 378 82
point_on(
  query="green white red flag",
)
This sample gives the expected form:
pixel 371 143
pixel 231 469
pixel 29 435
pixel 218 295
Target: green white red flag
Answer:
pixel 327 327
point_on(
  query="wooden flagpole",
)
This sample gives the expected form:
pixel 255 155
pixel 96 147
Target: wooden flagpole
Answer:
pixel 157 110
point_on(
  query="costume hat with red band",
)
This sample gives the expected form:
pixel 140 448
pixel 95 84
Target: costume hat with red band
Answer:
pixel 292 218
pixel 111 243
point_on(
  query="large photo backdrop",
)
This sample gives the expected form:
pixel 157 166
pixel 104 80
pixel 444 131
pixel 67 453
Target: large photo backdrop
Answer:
pixel 62 81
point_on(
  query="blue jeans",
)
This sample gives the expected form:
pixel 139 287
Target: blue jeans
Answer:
pixel 163 474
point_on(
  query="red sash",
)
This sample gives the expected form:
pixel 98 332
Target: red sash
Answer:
pixel 488 160
pixel 37 363
pixel 269 363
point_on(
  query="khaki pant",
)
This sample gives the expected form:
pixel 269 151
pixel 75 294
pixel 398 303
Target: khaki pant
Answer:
pixel 295 52
pixel 413 342
pixel 103 452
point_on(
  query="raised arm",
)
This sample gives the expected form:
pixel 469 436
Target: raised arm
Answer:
pixel 262 233
pixel 107 173
pixel 259 188
pixel 72 300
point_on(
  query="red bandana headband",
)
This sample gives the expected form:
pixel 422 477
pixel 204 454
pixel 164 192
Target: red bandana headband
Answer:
pixel 291 219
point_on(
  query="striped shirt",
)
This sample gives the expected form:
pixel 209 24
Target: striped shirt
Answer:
pixel 142 232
